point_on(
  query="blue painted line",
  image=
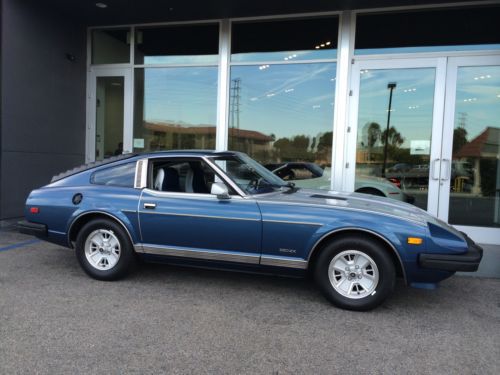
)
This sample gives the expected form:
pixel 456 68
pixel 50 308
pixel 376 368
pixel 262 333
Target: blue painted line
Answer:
pixel 18 245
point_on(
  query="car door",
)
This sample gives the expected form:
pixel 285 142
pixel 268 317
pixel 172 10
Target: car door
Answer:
pixel 185 223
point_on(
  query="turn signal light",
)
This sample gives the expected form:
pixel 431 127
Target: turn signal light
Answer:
pixel 415 241
pixel 34 210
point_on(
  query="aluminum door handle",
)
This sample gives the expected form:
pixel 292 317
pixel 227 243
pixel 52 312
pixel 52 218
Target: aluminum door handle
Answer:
pixel 433 169
pixel 150 206
pixel 447 170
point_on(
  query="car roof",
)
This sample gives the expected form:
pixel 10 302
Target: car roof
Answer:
pixel 135 156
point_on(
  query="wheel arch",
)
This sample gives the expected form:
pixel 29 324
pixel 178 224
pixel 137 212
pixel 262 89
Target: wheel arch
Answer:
pixel 86 217
pixel 326 238
pixel 369 189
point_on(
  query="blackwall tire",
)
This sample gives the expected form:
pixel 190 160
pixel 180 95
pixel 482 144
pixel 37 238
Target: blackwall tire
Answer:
pixel 355 273
pixel 104 250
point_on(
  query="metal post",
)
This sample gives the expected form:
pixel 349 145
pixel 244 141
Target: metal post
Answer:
pixel 391 86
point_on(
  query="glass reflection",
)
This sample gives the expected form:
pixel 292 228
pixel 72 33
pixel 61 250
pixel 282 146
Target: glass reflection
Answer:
pixel 475 169
pixel 282 113
pixel 394 133
pixel 175 108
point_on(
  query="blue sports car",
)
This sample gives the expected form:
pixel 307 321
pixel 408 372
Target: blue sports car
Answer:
pixel 225 210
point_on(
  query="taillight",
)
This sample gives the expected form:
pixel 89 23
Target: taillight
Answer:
pixel 34 210
pixel 395 181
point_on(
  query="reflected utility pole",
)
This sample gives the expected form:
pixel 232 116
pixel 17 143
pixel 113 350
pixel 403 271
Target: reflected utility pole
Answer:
pixel 391 86
pixel 235 95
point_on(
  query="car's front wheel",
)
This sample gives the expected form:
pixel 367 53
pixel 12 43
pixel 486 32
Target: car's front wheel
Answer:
pixel 355 273
pixel 104 250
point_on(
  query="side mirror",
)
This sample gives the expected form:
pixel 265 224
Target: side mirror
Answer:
pixel 220 190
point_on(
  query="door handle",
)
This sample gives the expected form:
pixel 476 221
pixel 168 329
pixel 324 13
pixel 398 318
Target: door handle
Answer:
pixel 433 169
pixel 150 206
pixel 447 170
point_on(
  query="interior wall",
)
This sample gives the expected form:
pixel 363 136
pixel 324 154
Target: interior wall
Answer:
pixel 43 80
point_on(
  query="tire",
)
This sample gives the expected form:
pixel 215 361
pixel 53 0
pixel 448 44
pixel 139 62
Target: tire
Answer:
pixel 104 250
pixel 371 191
pixel 349 287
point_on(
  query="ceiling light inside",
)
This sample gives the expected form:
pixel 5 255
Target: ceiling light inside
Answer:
pixel 101 5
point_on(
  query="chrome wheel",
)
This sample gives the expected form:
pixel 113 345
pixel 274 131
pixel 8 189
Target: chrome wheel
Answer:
pixel 353 274
pixel 102 249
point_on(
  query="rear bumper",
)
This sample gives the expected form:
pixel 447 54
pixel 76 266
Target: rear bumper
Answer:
pixel 467 262
pixel 32 229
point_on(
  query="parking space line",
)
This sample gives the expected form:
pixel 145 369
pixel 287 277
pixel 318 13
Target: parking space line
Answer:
pixel 18 245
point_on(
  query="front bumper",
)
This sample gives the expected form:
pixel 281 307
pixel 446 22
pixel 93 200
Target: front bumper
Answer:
pixel 467 262
pixel 32 229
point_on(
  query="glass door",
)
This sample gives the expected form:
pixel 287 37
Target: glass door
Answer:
pixel 394 134
pixel 470 181
pixel 109 114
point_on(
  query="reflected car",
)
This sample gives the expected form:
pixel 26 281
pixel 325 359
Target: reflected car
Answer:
pixel 312 176
pixel 225 210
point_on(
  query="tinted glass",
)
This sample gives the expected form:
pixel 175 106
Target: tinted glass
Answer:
pixel 475 167
pixel 122 175
pixel 175 108
pixel 450 29
pixel 110 46
pixel 283 112
pixel 287 40
pixel 177 44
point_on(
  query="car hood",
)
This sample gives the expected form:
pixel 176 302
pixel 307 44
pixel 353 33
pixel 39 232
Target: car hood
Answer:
pixel 352 201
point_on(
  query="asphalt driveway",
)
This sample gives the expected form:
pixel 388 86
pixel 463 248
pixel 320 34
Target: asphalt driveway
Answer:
pixel 165 319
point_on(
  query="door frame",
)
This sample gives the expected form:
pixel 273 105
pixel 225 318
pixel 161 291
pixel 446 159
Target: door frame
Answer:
pixel 439 64
pixel 128 97
pixel 484 235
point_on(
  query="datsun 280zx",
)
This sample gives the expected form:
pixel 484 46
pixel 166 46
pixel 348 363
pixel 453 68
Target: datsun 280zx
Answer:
pixel 225 210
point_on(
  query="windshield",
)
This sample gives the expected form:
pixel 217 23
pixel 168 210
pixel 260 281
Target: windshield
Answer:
pixel 248 174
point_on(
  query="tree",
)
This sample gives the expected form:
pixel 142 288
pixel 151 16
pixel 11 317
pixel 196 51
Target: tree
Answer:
pixel 393 137
pixel 374 133
pixel 459 138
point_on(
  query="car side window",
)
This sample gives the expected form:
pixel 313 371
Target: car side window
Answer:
pixel 181 176
pixel 122 175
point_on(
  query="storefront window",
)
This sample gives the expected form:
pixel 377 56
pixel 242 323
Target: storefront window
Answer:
pixel 475 168
pixel 110 46
pixel 283 113
pixel 189 44
pixel 175 108
pixel 426 31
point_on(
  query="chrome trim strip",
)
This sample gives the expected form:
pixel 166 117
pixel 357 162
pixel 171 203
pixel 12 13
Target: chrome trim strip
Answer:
pixel 292 222
pixel 56 232
pixel 315 246
pixel 97 212
pixel 172 194
pixel 130 211
pixel 184 252
pixel 286 262
pixel 196 215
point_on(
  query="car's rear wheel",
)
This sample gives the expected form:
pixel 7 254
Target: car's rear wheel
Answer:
pixel 355 273
pixel 104 250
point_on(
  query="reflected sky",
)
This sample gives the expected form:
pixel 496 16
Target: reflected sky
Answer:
pixel 412 101
pixel 478 99
pixel 286 100
pixel 181 95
